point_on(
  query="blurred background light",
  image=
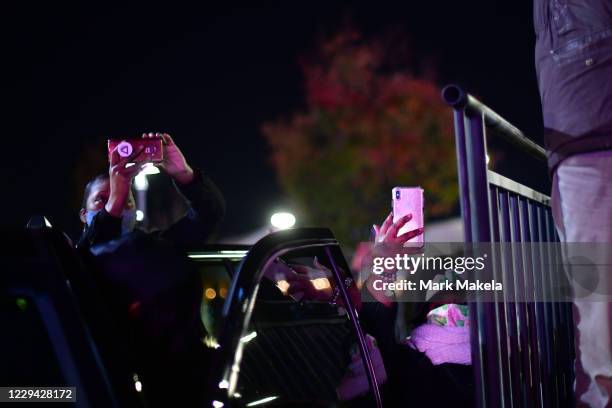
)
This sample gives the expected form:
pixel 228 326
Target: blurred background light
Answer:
pixel 210 293
pixel 140 181
pixel 282 220
pixel 149 169
pixel 261 401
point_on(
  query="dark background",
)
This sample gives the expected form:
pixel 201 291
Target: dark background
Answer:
pixel 76 74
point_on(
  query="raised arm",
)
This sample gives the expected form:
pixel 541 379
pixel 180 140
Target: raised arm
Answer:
pixel 206 203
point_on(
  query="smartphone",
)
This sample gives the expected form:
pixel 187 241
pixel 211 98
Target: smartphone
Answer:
pixel 409 200
pixel 152 149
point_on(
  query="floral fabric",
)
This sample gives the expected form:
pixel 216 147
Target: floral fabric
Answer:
pixel 449 315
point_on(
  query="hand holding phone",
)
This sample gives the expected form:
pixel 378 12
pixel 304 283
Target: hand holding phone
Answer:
pixel 151 149
pixel 409 201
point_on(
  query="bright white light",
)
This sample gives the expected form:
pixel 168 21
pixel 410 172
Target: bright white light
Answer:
pixel 149 169
pixel 249 337
pixel 217 404
pixel 140 182
pixel 139 215
pixel 216 256
pixel 224 384
pixel 138 386
pixel 47 223
pixel 137 383
pixel 487 158
pixel 261 401
pixel 282 220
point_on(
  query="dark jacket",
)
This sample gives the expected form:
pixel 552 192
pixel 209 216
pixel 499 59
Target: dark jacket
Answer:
pixel 206 210
pixel 153 293
pixel 573 58
pixel 411 375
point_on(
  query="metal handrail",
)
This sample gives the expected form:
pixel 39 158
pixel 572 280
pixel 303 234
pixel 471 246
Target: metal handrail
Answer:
pixel 521 352
pixel 457 98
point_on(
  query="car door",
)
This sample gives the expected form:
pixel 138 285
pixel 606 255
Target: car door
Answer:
pixel 290 332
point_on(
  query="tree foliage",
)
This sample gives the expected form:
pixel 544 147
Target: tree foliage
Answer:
pixel 368 126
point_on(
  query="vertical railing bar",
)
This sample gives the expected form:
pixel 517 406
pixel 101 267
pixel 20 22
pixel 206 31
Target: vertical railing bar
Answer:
pixel 530 297
pixel 481 233
pixel 548 315
pixel 520 306
pixel 539 299
pixel 502 356
pixel 474 312
pixel 464 188
pixel 476 173
pixel 477 176
pixel 509 304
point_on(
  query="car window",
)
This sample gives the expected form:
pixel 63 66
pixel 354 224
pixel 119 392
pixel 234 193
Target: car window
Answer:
pixel 300 348
pixel 215 268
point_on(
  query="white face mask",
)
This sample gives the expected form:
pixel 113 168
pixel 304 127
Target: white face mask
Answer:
pixel 128 219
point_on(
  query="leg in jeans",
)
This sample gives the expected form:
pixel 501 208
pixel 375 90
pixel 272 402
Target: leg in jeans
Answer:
pixel 582 208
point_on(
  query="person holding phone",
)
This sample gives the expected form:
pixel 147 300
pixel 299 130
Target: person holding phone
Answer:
pixel 437 355
pixel 109 209
pixel 148 284
pixel 434 356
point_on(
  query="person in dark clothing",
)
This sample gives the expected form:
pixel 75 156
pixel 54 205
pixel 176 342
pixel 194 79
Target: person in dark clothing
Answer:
pixel 573 57
pixel 412 377
pixel 108 209
pixel 149 284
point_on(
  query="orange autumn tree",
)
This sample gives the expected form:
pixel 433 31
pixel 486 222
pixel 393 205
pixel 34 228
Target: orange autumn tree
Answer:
pixel 368 126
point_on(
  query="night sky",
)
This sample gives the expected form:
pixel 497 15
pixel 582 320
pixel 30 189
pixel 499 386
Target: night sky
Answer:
pixel 210 75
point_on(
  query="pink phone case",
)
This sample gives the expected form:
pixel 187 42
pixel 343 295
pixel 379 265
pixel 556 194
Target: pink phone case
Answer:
pixel 409 200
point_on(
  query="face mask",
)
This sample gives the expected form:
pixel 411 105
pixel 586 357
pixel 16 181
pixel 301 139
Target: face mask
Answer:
pixel 89 216
pixel 128 219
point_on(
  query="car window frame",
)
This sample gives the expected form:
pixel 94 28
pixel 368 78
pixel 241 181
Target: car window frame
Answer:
pixel 242 296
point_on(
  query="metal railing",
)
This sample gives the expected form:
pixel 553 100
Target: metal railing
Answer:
pixel 522 352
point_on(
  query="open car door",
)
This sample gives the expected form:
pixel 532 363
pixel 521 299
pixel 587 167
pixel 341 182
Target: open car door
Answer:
pixel 290 346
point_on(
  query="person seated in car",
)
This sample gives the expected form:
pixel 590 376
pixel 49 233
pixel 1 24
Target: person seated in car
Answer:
pixel 150 285
pixel 436 354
